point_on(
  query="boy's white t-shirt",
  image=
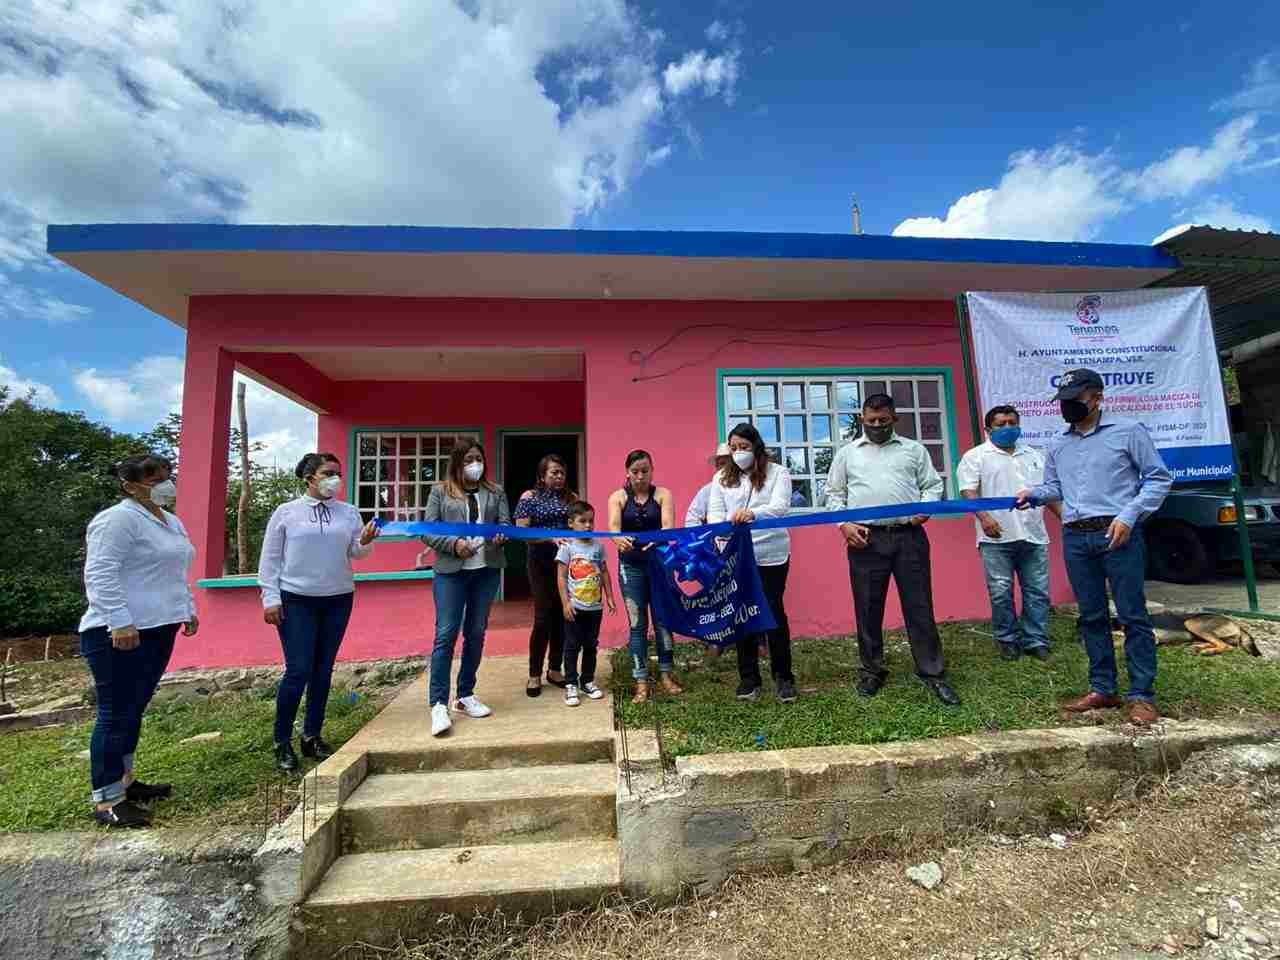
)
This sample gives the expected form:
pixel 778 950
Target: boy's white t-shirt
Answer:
pixel 585 563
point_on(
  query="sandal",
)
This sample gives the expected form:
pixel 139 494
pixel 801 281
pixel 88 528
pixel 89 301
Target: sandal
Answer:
pixel 561 683
pixel 534 687
pixel 642 692
pixel 670 686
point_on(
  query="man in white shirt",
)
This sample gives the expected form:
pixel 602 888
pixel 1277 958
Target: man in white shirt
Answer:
pixel 1011 542
pixel 880 468
pixel 697 514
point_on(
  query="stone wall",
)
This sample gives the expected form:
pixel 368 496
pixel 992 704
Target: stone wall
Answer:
pixel 795 809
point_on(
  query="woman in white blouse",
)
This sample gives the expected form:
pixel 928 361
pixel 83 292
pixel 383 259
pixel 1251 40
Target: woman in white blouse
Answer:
pixel 307 591
pixel 751 487
pixel 135 575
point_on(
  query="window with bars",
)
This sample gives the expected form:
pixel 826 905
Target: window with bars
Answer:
pixel 805 419
pixel 395 471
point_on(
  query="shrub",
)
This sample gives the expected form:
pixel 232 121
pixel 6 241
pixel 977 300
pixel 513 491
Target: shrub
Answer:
pixel 39 603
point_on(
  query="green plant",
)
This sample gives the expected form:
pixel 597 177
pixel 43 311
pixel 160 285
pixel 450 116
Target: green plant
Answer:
pixel 38 603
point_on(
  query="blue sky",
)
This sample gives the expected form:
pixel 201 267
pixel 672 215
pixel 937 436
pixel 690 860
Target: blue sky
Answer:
pixel 1056 122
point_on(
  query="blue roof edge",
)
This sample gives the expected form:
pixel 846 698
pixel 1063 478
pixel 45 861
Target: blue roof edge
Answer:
pixel 65 239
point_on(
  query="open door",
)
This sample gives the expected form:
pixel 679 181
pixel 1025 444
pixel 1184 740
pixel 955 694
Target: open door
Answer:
pixel 521 452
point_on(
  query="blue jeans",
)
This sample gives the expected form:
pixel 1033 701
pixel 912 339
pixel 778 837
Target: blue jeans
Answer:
pixel 1029 562
pixel 633 579
pixel 311 632
pixel 463 600
pixel 1091 566
pixel 125 681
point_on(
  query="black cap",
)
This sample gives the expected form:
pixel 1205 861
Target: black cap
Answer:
pixel 1076 382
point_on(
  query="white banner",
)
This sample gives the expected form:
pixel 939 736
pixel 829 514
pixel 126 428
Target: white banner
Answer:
pixel 1153 348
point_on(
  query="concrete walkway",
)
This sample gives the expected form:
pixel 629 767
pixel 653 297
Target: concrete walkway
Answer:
pixel 1226 592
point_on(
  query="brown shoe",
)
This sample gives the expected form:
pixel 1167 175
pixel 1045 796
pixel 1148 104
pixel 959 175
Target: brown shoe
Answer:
pixel 1142 713
pixel 1092 701
pixel 642 692
pixel 670 686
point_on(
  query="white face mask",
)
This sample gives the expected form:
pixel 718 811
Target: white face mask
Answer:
pixel 164 493
pixel 328 487
pixel 744 459
pixel 473 471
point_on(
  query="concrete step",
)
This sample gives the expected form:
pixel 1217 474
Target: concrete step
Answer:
pixel 375 897
pixel 491 756
pixel 403 811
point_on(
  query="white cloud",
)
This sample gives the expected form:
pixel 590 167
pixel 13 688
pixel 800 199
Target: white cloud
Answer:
pixel 658 156
pixel 20 388
pixel 1261 90
pixel 717 32
pixel 1188 168
pixel 33 302
pixel 1217 212
pixel 1060 194
pixel 714 75
pixel 143 395
pixel 277 112
pixel 151 389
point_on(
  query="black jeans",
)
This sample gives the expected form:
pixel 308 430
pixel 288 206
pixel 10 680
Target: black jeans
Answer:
pixel 310 634
pixel 901 552
pixel 774 581
pixel 125 681
pixel 582 633
pixel 546 640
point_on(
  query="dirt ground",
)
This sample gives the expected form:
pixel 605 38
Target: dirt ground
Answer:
pixel 1153 877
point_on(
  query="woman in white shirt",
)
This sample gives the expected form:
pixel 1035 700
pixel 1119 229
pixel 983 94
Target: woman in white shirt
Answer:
pixel 751 487
pixel 307 591
pixel 135 575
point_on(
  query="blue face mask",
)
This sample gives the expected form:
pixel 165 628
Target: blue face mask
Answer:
pixel 1005 436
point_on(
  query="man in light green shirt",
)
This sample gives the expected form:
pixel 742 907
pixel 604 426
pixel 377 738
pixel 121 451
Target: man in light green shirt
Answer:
pixel 880 468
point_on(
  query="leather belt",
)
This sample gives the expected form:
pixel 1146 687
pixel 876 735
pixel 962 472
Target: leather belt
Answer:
pixel 1089 524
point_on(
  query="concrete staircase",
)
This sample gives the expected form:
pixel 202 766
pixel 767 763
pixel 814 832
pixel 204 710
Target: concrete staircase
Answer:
pixel 504 812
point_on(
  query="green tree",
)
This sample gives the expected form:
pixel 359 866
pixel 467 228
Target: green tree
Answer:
pixel 268 488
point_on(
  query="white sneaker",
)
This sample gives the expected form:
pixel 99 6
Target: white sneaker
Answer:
pixel 440 721
pixel 571 696
pixel 592 691
pixel 472 707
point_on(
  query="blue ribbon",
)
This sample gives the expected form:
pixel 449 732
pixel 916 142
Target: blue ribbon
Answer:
pixel 685 535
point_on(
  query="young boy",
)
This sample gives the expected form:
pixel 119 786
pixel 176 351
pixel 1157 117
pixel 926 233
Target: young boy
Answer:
pixel 583 576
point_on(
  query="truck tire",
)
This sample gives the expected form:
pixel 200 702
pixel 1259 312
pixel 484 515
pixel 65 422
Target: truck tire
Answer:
pixel 1177 554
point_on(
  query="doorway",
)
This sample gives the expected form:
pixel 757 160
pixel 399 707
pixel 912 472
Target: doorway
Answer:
pixel 521 450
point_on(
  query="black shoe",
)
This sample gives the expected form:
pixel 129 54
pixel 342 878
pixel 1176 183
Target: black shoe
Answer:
pixel 286 759
pixel 786 691
pixel 1009 652
pixel 561 683
pixel 1041 653
pixel 748 691
pixel 942 690
pixel 139 792
pixel 316 749
pixel 126 814
pixel 869 686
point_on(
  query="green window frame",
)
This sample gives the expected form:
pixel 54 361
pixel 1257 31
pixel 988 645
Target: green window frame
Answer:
pixel 806 414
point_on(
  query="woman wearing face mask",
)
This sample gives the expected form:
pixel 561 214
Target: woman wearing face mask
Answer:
pixel 547 505
pixel 135 574
pixel 752 488
pixel 307 591
pixel 467 573
pixel 638 507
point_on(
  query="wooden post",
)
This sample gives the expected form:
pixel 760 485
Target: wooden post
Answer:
pixel 242 508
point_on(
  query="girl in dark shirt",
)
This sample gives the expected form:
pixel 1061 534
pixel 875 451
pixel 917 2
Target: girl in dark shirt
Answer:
pixel 547 505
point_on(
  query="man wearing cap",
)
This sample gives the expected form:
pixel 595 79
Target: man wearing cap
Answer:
pixel 1109 477
pixel 697 514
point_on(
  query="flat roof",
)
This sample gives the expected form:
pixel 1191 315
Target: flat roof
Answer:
pixel 161 265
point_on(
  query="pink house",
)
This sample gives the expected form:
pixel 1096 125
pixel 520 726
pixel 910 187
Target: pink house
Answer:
pixel 587 343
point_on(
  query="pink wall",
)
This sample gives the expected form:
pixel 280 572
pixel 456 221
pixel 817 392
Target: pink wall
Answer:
pixel 675 417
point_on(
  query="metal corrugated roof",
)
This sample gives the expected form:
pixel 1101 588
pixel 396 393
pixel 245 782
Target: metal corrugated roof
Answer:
pixel 1241 271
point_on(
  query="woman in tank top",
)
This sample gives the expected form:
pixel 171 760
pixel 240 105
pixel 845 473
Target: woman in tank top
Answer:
pixel 640 506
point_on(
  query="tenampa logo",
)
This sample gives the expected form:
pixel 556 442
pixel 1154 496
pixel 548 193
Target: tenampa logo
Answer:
pixel 1088 322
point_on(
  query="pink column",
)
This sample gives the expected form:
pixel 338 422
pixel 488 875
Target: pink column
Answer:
pixel 206 425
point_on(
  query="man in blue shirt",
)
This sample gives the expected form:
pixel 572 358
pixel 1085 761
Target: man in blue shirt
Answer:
pixel 1109 477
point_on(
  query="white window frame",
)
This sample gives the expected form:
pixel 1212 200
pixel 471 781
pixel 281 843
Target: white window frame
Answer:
pixel 911 417
pixel 394 469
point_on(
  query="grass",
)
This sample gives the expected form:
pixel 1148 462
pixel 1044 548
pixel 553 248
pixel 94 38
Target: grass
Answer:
pixel 997 694
pixel 44 785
